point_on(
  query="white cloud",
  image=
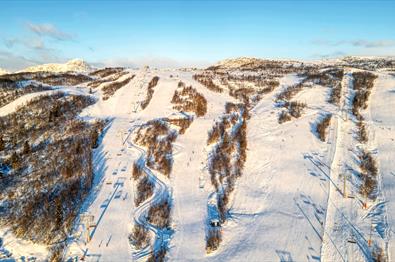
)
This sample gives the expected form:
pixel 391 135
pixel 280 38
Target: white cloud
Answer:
pixel 31 43
pixel 358 43
pixel 49 30
pixel 14 62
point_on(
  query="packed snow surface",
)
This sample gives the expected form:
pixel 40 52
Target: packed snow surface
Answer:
pixel 289 203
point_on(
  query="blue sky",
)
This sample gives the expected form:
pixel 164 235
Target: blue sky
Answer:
pixel 177 33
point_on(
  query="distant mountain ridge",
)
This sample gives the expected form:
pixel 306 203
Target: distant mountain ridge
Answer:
pixel 74 65
pixel 3 71
pixel 363 62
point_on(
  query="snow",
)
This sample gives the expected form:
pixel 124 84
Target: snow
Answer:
pixel 3 71
pixel 288 205
pixel 190 201
pixel 75 65
pixel 11 107
pixel 10 246
pixel 383 123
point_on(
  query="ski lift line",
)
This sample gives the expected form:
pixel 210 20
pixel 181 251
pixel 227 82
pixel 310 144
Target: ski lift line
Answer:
pixel 320 237
pixel 103 212
pixel 352 227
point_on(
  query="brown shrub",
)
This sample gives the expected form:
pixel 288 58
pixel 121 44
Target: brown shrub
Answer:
pixel 150 92
pixel 295 108
pixel 158 138
pixel 182 123
pixel 145 189
pixel 106 71
pixel 139 237
pixel 335 94
pixel 188 99
pixel 368 163
pixel 136 171
pixel 213 239
pixel 208 83
pixel 290 92
pixel 114 77
pixel 228 156
pixel 362 133
pixel 159 214
pixel 369 175
pixel 322 127
pixel 284 116
pixel 158 255
pixel 110 89
pixel 378 254
pixel 363 83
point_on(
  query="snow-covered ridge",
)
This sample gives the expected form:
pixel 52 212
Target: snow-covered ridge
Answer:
pixel 237 62
pixel 75 65
pixel 363 62
pixel 3 71
pixel 251 62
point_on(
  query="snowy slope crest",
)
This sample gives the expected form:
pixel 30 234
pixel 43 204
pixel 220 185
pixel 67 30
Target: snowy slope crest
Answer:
pixel 3 71
pixel 75 65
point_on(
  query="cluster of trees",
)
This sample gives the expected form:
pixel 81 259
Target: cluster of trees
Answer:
pixel 140 236
pixel 369 172
pixel 362 133
pixel 289 92
pixel 244 87
pixel 363 83
pixel 292 109
pixel 49 78
pixel 322 126
pixel 158 255
pixel 335 94
pixel 111 88
pixel 159 214
pixel 145 189
pixel 331 77
pixel 104 72
pixel 213 239
pixel 11 90
pixel 183 122
pixel 150 91
pixel 188 99
pixel 49 152
pixel 227 157
pixel 206 80
pixel 64 79
pixel 335 81
pixel 157 137
pixel 108 78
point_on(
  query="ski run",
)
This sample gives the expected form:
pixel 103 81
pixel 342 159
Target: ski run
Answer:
pixel 298 198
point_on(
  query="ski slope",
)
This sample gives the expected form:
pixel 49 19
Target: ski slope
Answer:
pixel 289 204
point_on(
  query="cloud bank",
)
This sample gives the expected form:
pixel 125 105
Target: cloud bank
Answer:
pixel 49 30
pixel 357 43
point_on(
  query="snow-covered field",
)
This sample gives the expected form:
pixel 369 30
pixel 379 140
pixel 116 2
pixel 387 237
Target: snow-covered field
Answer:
pixel 289 204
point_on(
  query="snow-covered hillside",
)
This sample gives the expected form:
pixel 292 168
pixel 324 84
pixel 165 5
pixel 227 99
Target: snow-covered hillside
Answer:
pixel 241 166
pixel 75 65
pixel 3 71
